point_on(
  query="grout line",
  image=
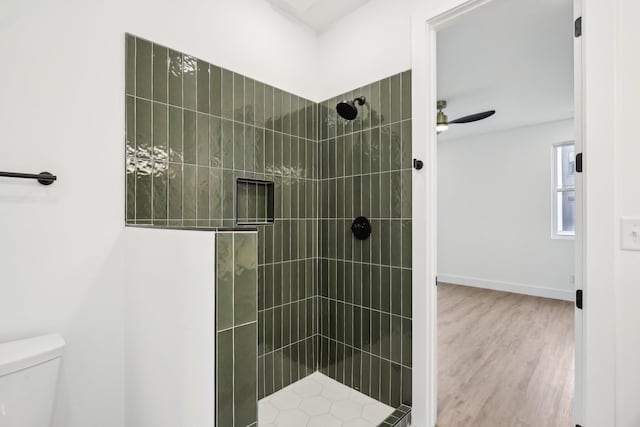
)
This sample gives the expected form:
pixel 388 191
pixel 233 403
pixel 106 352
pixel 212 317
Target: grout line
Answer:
pixel 366 352
pixel 221 117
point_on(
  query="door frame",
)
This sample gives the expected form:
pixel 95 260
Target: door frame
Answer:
pixel 594 100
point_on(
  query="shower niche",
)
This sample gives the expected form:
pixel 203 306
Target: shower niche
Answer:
pixel 329 314
pixel 254 202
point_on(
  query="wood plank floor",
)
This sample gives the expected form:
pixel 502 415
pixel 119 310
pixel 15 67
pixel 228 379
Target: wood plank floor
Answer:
pixel 503 359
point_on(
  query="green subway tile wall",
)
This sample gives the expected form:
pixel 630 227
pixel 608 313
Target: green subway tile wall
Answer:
pixel 365 286
pixel 193 129
pixel 236 329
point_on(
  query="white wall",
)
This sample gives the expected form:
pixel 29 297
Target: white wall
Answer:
pixel 365 46
pixel 628 204
pixel 62 110
pixel 170 330
pixel 495 212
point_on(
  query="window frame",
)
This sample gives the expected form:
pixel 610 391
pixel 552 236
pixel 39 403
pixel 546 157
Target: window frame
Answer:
pixel 556 189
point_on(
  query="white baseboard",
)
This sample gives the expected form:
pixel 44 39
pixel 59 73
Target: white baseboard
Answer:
pixel 516 288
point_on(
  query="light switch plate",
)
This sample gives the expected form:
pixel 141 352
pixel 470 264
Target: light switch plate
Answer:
pixel 630 230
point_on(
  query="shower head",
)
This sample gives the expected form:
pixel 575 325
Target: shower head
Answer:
pixel 348 110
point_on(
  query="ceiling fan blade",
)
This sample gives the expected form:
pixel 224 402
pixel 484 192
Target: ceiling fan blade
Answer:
pixel 473 117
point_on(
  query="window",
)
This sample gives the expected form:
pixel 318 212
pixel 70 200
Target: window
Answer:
pixel 564 190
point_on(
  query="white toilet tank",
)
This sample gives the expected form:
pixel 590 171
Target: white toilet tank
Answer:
pixel 28 380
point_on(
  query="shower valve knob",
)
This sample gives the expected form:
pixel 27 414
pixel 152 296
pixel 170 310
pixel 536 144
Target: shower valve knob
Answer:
pixel 418 164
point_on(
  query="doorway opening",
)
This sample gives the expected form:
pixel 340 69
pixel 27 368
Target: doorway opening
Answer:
pixel 508 215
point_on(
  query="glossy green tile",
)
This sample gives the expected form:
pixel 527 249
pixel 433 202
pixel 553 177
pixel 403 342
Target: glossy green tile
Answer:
pixel 175 191
pixel 406 243
pixel 202 193
pixel 269 107
pixel 143 68
pixel 406 342
pixel 395 146
pixel 144 170
pixel 374 103
pixel 245 375
pixel 406 292
pixel 189 192
pixel 286 112
pixel 202 139
pixel 385 195
pixel 258 106
pixel 228 186
pixel 396 291
pixel 238 146
pixel 385 382
pixel 215 142
pixel 143 128
pixel 224 378
pixel 385 101
pixel 249 148
pixel 261 376
pixel 365 380
pixel 406 95
pixel 396 194
pixel 249 100
pixel 278 167
pixel 130 65
pixel 396 243
pixel 130 209
pixel 406 194
pixel 215 193
pixel 245 288
pixel 160 182
pixel 160 131
pixel 277 110
pixel 175 135
pixel 278 369
pixel 189 136
pixel 365 141
pixel 396 339
pixel 238 97
pixel 215 90
pixel 332 158
pixel 385 335
pixel 371 293
pixel 396 385
pixel 175 78
pixel 224 280
pixel 130 125
pixel 396 98
pixel 406 387
pixel 385 289
pixel 406 159
pixel 227 94
pixel 227 144
pixel 160 73
pixel 189 82
pixel 375 377
pixel 356 147
pixel 385 238
pixel 202 86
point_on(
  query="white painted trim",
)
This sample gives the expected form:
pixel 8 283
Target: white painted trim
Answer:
pixel 516 288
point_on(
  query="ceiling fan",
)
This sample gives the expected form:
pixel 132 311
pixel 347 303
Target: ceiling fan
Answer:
pixel 443 121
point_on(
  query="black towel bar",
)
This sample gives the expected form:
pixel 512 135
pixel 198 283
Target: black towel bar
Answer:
pixel 44 178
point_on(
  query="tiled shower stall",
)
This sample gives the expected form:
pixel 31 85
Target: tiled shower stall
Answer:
pixel 282 178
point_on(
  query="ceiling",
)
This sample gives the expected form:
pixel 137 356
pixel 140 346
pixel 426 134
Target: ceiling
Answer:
pixel 512 56
pixel 317 14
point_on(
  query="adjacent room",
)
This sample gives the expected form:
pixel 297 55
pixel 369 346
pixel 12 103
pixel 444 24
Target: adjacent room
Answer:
pixel 506 209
